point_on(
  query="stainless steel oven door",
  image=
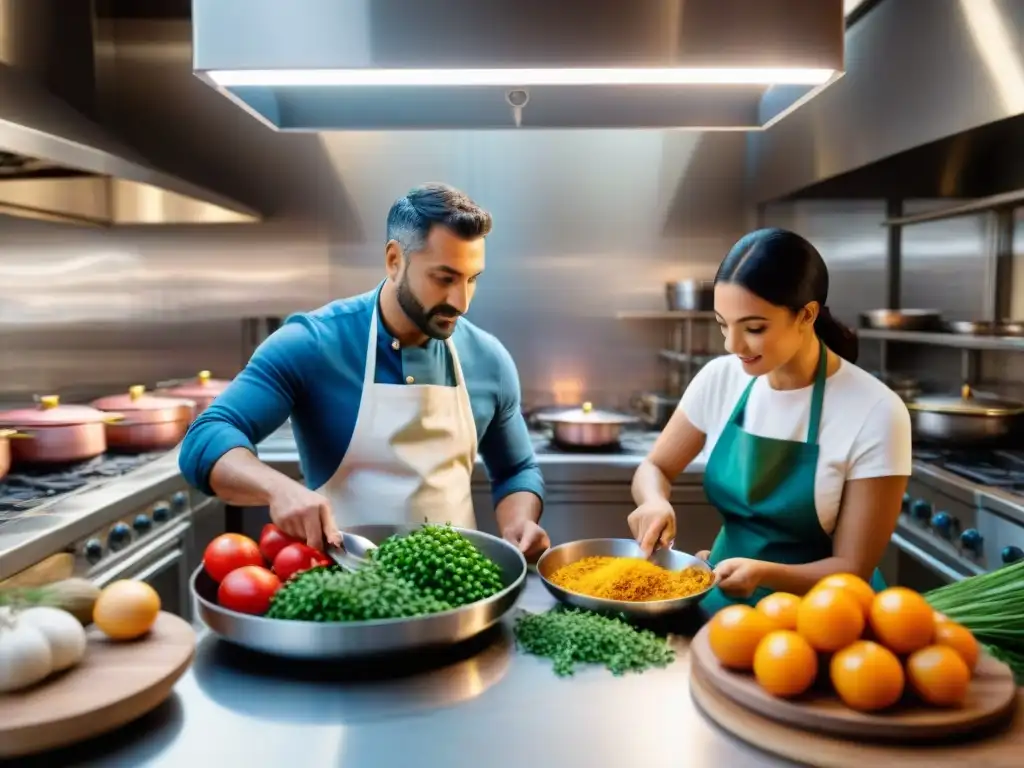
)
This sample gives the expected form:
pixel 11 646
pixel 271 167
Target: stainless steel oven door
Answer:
pixel 160 563
pixel 920 568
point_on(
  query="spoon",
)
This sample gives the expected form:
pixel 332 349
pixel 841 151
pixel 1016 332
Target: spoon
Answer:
pixel 353 552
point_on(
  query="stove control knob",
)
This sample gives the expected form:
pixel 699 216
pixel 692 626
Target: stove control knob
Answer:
pixel 905 506
pixel 972 540
pixel 1011 555
pixel 161 512
pixel 93 550
pixel 142 523
pixel 921 510
pixel 120 536
pixel 943 524
pixel 179 501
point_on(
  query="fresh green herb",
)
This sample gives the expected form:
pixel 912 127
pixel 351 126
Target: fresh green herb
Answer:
pixel 441 562
pixel 570 637
pixel 991 606
pixel 331 594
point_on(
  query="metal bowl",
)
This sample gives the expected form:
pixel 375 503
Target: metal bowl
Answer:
pixel 340 640
pixel 672 559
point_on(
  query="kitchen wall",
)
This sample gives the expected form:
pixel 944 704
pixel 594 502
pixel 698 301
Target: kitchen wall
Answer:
pixel 586 223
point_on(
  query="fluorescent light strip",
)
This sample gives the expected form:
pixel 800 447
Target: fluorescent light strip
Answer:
pixel 517 77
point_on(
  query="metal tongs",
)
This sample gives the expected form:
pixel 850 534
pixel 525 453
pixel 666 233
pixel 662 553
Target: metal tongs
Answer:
pixel 353 553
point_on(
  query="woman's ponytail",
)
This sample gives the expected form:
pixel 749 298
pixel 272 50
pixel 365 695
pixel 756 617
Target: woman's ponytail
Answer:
pixel 836 336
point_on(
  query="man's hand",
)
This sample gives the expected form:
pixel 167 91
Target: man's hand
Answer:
pixel 528 537
pixel 653 525
pixel 304 514
pixel 739 576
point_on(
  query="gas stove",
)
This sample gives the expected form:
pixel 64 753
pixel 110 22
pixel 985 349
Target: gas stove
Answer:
pixel 994 469
pixel 26 489
pixel 963 513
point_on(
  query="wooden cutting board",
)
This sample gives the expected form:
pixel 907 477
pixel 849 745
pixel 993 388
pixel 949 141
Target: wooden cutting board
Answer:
pixel 991 699
pixel 114 684
pixel 1002 749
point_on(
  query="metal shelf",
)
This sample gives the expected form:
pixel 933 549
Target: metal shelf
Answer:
pixel 980 205
pixel 954 340
pixel 663 314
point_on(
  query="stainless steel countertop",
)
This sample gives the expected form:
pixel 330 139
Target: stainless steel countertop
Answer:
pixel 489 705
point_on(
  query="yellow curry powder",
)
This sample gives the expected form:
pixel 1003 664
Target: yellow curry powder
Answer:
pixel 629 578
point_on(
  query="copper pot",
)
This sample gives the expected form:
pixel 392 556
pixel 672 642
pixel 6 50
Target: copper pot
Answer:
pixel 585 427
pixel 5 451
pixel 56 434
pixel 150 423
pixel 202 390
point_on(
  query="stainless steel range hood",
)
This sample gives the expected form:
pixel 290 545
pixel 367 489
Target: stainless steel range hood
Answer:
pixel 320 65
pixel 55 165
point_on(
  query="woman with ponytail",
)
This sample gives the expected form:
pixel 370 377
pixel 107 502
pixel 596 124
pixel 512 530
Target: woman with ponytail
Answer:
pixel 808 455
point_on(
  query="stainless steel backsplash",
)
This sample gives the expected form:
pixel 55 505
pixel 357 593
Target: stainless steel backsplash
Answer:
pixel 586 223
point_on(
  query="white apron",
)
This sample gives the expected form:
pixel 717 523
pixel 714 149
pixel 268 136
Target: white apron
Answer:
pixel 412 452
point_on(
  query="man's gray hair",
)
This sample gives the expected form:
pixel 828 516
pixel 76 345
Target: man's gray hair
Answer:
pixel 412 216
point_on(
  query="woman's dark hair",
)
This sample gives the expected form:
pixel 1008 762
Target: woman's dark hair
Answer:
pixel 785 270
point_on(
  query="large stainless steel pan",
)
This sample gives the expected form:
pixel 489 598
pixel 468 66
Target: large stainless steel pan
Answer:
pixel 672 559
pixel 968 420
pixel 338 640
pixel 986 328
pixel 902 319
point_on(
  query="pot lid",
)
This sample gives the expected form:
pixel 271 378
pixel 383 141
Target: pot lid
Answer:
pixel 587 414
pixel 136 399
pixel 968 404
pixel 50 413
pixel 202 386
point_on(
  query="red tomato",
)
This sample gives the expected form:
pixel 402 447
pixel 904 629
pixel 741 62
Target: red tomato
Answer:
pixel 273 540
pixel 248 589
pixel 296 558
pixel 229 551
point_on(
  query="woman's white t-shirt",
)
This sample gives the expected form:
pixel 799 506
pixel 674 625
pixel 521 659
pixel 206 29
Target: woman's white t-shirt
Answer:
pixel 865 427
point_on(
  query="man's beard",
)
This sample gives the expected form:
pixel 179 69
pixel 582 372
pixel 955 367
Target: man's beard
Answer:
pixel 427 320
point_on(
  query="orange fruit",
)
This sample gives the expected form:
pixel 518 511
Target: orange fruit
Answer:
pixel 867 676
pixel 902 620
pixel 126 609
pixel 959 638
pixel 785 664
pixel 940 618
pixel 829 619
pixel 781 608
pixel 734 634
pixel 859 589
pixel 939 675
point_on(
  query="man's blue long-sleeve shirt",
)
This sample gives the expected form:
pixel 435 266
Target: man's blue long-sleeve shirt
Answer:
pixel 312 370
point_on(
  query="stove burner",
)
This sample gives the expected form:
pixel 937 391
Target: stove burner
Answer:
pixel 28 488
pixel 996 469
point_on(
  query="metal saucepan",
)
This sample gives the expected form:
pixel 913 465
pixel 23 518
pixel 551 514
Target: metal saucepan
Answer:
pixel 202 390
pixel 56 434
pixel 985 328
pixel 902 319
pixel 150 423
pixel 690 295
pixel 968 420
pixel 584 427
pixel 907 387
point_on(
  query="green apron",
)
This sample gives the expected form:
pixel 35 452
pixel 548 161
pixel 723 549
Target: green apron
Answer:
pixel 764 489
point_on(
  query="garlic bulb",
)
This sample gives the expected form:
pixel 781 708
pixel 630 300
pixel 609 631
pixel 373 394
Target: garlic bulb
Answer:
pixel 63 632
pixel 25 656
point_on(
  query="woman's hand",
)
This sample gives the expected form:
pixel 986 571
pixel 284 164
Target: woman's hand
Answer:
pixel 739 576
pixel 653 525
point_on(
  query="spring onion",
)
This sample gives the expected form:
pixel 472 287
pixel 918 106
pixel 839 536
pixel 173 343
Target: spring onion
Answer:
pixel 991 606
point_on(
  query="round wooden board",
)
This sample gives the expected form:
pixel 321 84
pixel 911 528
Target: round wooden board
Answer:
pixel 114 684
pixel 1002 749
pixel 991 698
